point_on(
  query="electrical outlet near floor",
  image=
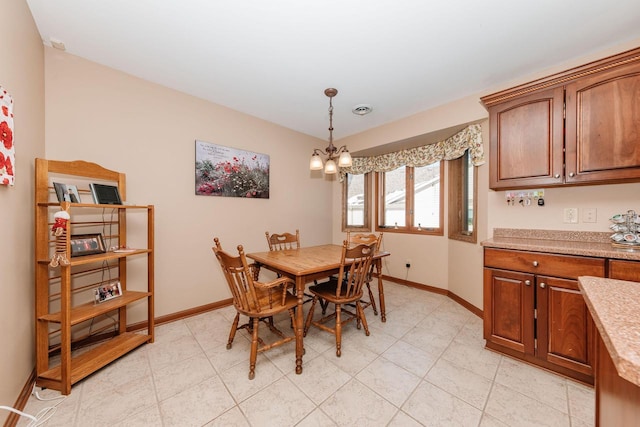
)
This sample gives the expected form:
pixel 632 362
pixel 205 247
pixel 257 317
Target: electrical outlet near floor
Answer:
pixel 570 216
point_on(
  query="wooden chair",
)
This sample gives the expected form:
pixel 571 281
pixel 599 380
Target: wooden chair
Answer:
pixel 286 241
pixel 367 239
pixel 280 242
pixel 256 300
pixel 346 289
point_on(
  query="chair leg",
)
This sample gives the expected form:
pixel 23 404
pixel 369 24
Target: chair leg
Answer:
pixel 234 328
pixel 338 332
pixel 360 312
pixel 324 304
pixel 254 349
pixel 373 301
pixel 307 324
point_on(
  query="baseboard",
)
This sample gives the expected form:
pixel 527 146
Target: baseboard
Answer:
pixel 21 401
pixel 472 308
pixel 182 314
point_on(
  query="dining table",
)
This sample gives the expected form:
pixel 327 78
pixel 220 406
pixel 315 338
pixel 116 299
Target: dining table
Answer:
pixel 305 265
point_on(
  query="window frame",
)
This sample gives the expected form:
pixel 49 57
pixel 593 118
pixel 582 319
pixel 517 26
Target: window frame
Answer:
pixel 367 204
pixel 409 205
pixel 458 194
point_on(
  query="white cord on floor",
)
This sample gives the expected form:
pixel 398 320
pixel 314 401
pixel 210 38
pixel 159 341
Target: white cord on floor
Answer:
pixel 43 415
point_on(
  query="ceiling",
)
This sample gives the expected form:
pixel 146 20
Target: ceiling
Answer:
pixel 273 59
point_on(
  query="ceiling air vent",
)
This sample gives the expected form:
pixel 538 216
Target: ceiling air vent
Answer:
pixel 362 109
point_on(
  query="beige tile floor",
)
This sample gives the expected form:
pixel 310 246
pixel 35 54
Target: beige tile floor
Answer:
pixel 426 366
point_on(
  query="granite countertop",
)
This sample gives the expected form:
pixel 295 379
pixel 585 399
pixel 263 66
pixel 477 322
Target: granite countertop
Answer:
pixel 583 243
pixel 614 306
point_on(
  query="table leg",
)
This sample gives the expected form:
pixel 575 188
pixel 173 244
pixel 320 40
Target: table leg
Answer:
pixel 383 313
pixel 299 324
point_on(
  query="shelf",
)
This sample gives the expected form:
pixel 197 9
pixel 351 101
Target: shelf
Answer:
pixel 88 259
pixel 70 289
pixel 93 205
pixel 90 310
pixel 94 359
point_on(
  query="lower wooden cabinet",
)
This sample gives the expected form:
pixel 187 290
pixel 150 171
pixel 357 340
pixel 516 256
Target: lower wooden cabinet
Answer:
pixel 534 310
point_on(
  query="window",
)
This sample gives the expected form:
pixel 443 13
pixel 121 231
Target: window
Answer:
pixel 409 199
pixel 463 190
pixel 355 203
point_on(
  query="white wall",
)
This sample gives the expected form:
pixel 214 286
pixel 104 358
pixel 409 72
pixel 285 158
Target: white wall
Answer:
pixel 21 74
pixel 101 115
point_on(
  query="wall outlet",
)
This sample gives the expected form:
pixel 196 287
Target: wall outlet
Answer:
pixel 570 215
pixel 589 215
pixel 408 263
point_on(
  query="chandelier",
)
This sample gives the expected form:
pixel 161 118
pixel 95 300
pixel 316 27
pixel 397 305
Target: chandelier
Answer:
pixel 344 159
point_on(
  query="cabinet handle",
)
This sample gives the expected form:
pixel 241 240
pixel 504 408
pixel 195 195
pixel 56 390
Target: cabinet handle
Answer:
pixel 535 263
pixel 527 282
pixel 543 285
pixel 571 174
pixel 556 176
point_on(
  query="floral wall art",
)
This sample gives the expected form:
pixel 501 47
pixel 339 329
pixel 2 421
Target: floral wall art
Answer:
pixel 230 172
pixel 7 151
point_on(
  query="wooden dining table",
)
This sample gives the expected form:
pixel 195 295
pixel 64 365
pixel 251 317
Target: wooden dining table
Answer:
pixel 304 265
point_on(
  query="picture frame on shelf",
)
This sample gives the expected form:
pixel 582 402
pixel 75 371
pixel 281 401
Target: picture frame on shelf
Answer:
pixel 105 194
pixel 107 292
pixel 66 192
pixel 86 244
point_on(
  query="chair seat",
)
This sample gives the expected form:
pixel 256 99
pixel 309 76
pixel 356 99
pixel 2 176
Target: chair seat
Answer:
pixel 266 309
pixel 327 291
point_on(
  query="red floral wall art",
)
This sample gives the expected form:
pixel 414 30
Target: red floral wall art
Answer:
pixel 230 172
pixel 7 150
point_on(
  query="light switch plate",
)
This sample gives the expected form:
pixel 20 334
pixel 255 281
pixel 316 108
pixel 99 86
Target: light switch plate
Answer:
pixel 570 215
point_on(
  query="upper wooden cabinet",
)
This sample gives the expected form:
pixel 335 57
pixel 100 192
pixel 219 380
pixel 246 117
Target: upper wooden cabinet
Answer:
pixel 581 126
pixel 526 144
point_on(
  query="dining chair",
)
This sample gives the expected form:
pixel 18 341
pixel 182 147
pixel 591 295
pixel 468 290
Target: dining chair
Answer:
pixel 286 241
pixel 366 239
pixel 346 289
pixel 280 242
pixel 257 300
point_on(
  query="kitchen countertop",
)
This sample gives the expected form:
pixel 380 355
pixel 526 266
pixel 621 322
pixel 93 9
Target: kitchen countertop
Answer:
pixel 614 306
pixel 583 243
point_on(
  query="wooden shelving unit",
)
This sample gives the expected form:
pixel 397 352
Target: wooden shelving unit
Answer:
pixel 64 306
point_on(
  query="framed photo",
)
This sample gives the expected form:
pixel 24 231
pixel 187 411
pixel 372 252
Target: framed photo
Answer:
pixel 66 192
pixel 107 292
pixel 231 172
pixel 105 194
pixel 87 244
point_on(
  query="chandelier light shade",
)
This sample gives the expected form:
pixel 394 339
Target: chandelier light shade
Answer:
pixel 331 152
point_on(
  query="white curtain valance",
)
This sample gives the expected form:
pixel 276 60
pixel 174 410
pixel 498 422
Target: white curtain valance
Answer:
pixel 469 138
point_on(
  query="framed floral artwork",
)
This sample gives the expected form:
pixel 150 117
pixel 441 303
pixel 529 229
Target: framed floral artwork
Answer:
pixel 7 150
pixel 231 172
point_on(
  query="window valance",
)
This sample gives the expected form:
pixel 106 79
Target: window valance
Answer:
pixel 469 138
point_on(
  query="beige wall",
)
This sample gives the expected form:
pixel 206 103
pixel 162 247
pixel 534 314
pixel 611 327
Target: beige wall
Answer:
pixel 21 74
pixel 101 115
pixel 430 255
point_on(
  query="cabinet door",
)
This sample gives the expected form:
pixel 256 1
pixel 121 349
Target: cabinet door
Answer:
pixel 564 325
pixel 603 126
pixel 527 137
pixel 508 310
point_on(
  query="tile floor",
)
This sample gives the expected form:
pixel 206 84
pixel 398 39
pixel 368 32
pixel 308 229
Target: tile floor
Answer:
pixel 426 366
